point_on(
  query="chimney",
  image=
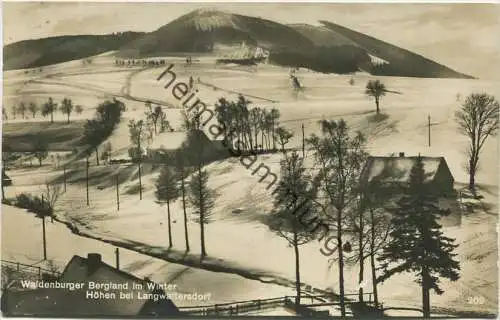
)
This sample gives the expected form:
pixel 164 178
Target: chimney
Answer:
pixel 401 154
pixel 93 262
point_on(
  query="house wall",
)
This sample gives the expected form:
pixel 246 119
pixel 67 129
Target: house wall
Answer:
pixel 443 180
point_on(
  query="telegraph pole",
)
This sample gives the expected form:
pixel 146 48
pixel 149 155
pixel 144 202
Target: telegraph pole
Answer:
pixel 87 179
pixel 64 170
pixel 303 143
pixel 43 233
pixel 117 256
pixel 429 128
pixel 117 194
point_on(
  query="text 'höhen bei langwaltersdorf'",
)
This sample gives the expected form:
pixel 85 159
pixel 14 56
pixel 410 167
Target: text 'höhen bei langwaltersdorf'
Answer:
pixel 110 290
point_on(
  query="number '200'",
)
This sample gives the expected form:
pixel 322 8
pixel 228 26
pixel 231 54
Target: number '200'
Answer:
pixel 476 300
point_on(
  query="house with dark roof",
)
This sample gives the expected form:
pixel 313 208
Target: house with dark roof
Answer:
pixel 166 146
pixel 394 172
pixel 125 296
pixel 391 175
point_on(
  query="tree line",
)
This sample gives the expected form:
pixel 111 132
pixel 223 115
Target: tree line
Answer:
pixel 256 129
pixel 96 130
pixel 48 108
pixel 140 62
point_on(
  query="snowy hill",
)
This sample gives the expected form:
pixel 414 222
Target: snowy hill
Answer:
pixel 329 48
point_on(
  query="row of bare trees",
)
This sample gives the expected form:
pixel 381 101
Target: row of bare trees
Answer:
pixel 256 129
pixel 48 108
pixel 139 62
pixel 189 180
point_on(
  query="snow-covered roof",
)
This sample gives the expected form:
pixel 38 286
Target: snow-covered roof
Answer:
pixel 169 140
pixel 92 269
pixel 397 169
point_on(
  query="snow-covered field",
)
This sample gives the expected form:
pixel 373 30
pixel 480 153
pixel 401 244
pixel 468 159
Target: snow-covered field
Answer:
pixel 23 244
pixel 241 240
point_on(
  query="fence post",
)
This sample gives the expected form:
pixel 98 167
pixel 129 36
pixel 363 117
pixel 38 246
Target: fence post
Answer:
pixel 215 310
pixel 39 272
pixel 236 309
pixel 18 266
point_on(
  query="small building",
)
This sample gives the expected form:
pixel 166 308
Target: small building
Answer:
pixel 169 143
pixel 105 291
pixel 394 172
pixel 6 180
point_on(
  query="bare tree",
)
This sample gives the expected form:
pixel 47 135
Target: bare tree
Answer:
pixel 137 137
pixel 78 109
pixel 283 136
pixel 294 186
pixel 51 195
pixel 202 199
pixel 375 89
pixel 33 108
pixel 157 116
pixel 49 107
pixel 22 108
pixel 167 190
pixel 67 107
pixel 40 149
pixel 182 173
pixel 13 111
pixel 340 158
pixel 48 203
pixel 477 119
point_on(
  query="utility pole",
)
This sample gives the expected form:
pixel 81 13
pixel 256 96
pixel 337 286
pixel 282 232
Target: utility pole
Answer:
pixel 429 127
pixel 87 179
pixel 140 182
pixel 140 160
pixel 117 194
pixel 303 143
pixel 117 256
pixel 64 170
pixel 43 232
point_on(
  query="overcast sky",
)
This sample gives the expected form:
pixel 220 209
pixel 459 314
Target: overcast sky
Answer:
pixel 464 37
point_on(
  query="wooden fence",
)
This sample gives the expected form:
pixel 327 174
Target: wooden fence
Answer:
pixel 242 307
pixel 37 271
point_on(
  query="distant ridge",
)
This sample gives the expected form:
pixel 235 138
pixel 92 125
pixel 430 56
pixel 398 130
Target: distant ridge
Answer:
pixel 329 48
pixel 47 51
pixel 402 62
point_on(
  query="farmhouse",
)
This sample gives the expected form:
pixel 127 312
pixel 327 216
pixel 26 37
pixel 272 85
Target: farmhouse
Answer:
pixel 394 173
pixel 91 300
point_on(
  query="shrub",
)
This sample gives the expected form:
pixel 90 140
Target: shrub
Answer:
pixel 134 189
pixel 24 201
pixel 134 153
pixel 33 204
